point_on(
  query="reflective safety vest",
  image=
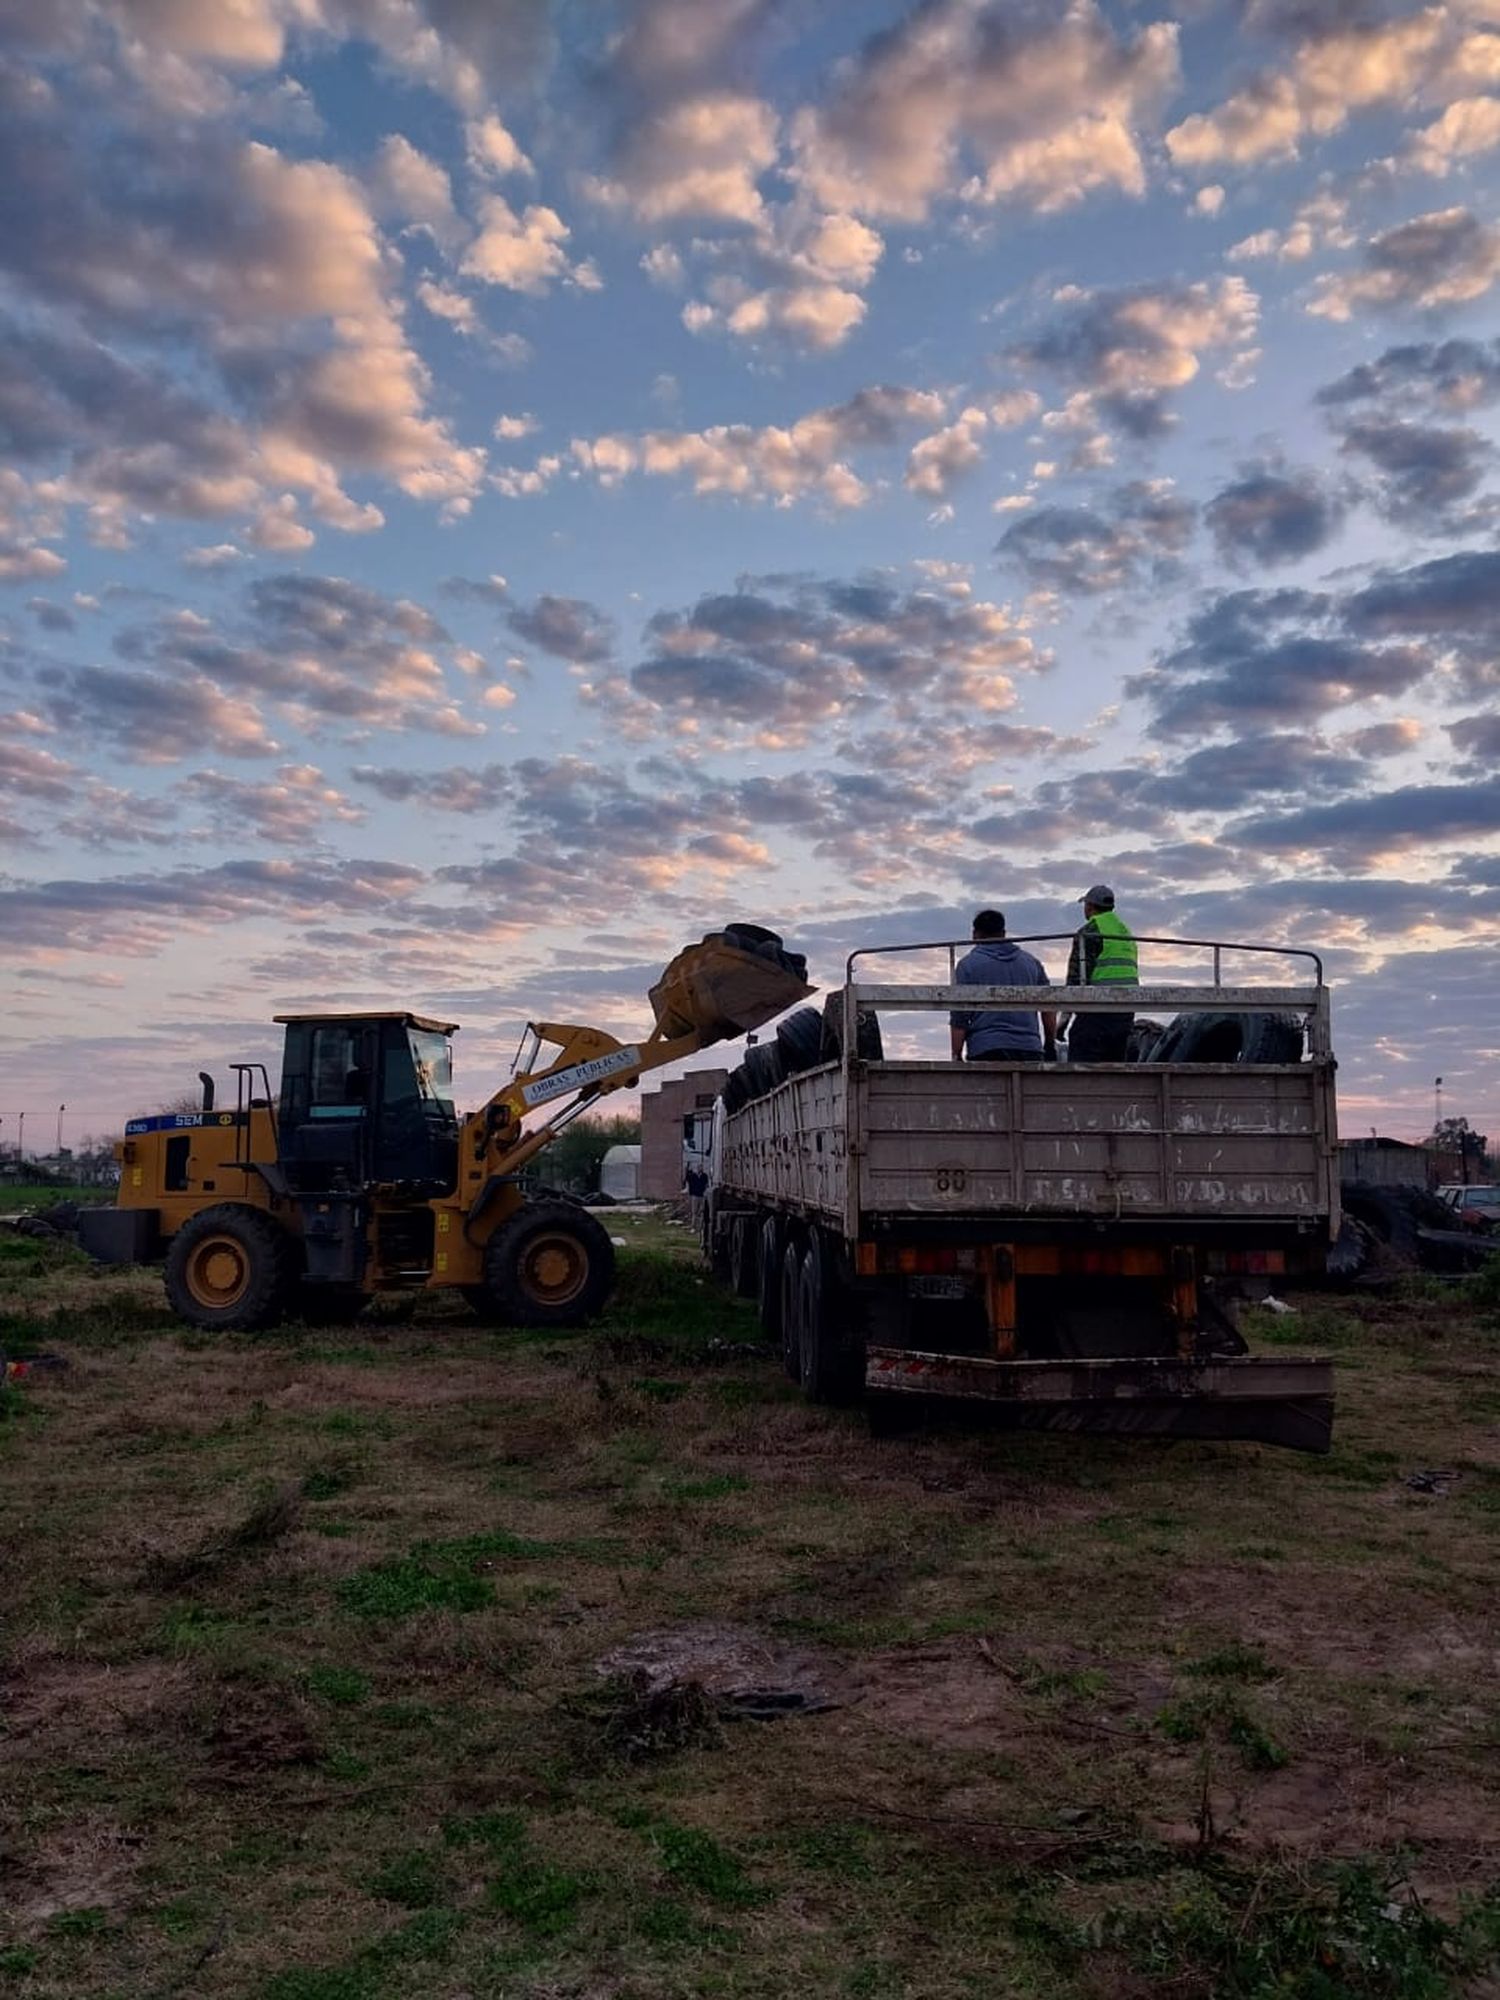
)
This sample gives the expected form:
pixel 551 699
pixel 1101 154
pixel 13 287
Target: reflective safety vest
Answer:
pixel 1116 964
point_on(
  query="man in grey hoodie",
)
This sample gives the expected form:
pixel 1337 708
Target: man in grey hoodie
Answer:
pixel 1001 1034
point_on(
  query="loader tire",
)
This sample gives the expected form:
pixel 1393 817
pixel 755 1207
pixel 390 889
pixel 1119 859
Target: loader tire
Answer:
pixel 831 1356
pixel 550 1265
pixel 230 1269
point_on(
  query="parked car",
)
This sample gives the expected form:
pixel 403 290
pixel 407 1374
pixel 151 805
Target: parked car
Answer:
pixel 1476 1207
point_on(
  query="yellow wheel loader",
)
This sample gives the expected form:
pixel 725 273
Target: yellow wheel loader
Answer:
pixel 358 1176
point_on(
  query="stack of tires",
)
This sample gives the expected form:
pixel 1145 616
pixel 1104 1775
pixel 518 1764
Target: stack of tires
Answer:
pixel 1227 1038
pixel 797 1046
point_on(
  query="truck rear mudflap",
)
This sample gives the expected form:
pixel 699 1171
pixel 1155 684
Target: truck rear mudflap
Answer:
pixel 1286 1400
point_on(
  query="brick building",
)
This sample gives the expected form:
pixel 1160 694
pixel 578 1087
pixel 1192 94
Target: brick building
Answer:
pixel 662 1113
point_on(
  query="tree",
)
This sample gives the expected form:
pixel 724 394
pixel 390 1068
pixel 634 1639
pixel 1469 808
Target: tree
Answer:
pixel 574 1158
pixel 1457 1135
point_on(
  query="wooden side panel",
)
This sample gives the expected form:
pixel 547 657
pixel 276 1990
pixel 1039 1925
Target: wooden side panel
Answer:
pixel 791 1147
pixel 1200 1140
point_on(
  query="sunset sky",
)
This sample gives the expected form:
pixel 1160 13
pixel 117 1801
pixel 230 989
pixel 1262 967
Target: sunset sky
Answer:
pixel 490 491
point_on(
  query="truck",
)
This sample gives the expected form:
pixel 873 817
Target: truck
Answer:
pixel 1064 1244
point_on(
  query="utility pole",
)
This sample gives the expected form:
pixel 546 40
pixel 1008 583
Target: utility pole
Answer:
pixel 21 1139
pixel 60 1110
pixel 1437 1103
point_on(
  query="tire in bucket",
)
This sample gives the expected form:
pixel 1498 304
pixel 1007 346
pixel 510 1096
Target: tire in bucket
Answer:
pixel 230 1269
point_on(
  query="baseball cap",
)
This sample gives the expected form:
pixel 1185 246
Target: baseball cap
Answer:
pixel 1101 894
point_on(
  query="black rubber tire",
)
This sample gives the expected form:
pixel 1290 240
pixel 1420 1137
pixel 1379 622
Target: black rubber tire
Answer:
pixel 526 1293
pixel 327 1305
pixel 769 1274
pixel 791 1307
pixel 1350 1250
pixel 261 1259
pixel 868 1046
pixel 736 1091
pixel 1230 1038
pixel 763 1068
pixel 744 1256
pixel 1144 1038
pixel 715 1241
pixel 1395 1214
pixel 830 1360
pixel 800 1040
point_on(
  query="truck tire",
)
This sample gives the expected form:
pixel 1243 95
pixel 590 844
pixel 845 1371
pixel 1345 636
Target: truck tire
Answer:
pixel 791 1309
pixel 744 1244
pixel 229 1269
pixel 800 1040
pixel 769 1274
pixel 551 1264
pixel 763 1068
pixel 868 1046
pixel 831 1357
pixel 1230 1038
pixel 736 1091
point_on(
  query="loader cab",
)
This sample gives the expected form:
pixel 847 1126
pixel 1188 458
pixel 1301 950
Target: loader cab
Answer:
pixel 367 1098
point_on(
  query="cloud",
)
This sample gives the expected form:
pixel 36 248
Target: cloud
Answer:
pixel 1339 68
pixel 287 811
pixel 409 185
pixel 808 458
pixel 1128 350
pixel 1469 126
pixel 1270 515
pixel 1412 819
pixel 991 104
pixel 1427 472
pixel 1445 258
pixel 566 627
pixel 1256 658
pixel 1132 537
pixel 1320 223
pixel 492 149
pixel 1451 375
pixel 522 252
pixel 779 659
pixel 940 460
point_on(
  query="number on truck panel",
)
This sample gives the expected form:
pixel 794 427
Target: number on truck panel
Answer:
pixel 950 1180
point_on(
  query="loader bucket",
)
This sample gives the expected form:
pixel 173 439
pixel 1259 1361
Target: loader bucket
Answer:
pixel 718 990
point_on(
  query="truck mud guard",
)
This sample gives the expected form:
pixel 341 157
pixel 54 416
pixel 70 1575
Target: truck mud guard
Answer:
pixel 1285 1400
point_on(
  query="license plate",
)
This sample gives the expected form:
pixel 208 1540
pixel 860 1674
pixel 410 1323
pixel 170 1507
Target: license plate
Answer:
pixel 938 1288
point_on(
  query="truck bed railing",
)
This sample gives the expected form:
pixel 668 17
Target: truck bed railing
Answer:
pixel 1309 1000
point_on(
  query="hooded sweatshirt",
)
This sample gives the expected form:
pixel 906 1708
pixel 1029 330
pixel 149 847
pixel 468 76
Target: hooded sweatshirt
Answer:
pixel 998 962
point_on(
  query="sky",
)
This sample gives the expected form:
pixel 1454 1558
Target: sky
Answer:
pixel 491 491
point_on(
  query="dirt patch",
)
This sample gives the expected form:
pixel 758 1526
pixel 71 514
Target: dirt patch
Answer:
pixel 734 1665
pixel 91 1697
pixel 89 1864
pixel 254 1731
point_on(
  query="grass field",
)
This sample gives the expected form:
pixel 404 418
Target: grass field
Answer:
pixel 301 1693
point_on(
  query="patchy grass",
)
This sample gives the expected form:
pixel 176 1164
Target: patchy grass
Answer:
pixel 303 1699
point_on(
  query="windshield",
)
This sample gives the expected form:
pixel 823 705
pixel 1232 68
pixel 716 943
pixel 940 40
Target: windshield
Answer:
pixel 432 1058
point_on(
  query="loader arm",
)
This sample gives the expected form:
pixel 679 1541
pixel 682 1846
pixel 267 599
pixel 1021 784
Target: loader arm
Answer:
pixel 709 993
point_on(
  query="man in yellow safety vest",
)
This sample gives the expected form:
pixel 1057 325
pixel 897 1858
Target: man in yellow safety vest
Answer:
pixel 1103 954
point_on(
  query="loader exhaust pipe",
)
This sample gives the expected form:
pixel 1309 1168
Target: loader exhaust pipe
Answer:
pixel 208 1090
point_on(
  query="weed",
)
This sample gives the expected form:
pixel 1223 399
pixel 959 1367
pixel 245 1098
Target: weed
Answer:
pixel 17 1960
pixel 697 1861
pixel 659 1390
pixel 413 1880
pixel 1203 1717
pixel 78 1923
pixel 413 1583
pixel 1233 1663
pixel 345 1687
pixel 541 1898
pixel 495 1832
pixel 673 1927
pixel 274 1515
pixel 343 1763
pixel 705 1489
pixel 325 1481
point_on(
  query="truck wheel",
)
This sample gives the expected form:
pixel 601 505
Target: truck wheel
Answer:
pixel 229 1269
pixel 831 1358
pixel 551 1264
pixel 715 1249
pixel 769 1297
pixel 791 1309
pixel 744 1242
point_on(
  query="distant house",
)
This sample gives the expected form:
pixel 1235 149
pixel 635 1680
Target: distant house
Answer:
pixel 1395 1163
pixel 662 1114
pixel 620 1173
